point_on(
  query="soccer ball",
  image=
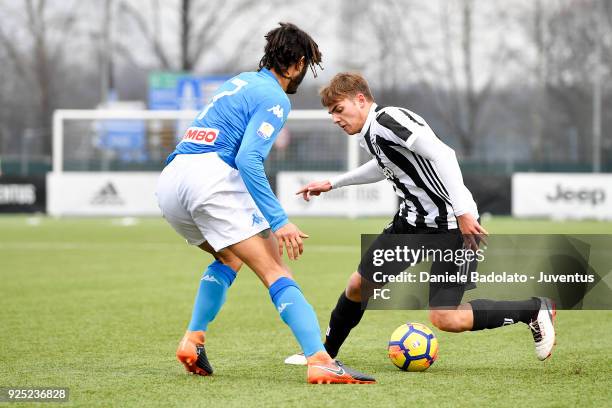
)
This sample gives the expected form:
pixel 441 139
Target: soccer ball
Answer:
pixel 413 347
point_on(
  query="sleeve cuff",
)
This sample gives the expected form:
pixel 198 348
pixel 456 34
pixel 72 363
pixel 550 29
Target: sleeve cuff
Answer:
pixel 336 182
pixel 460 212
pixel 278 224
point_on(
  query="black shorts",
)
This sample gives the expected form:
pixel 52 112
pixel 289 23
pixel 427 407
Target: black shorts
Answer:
pixel 441 294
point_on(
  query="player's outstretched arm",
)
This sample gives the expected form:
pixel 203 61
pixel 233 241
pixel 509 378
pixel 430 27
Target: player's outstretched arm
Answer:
pixel 314 188
pixel 364 174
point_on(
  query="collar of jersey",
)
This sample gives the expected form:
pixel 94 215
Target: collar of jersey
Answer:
pixel 369 120
pixel 269 73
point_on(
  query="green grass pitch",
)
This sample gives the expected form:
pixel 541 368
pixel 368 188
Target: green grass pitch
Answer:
pixel 99 307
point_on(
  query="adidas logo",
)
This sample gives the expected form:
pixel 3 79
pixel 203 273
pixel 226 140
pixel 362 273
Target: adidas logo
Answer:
pixel 107 195
pixel 508 321
pixel 283 306
pixel 210 278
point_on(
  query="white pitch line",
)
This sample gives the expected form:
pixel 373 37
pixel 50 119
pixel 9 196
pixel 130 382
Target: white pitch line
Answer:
pixel 83 246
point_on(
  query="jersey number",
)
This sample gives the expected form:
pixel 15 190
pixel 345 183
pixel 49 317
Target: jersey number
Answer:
pixel 239 85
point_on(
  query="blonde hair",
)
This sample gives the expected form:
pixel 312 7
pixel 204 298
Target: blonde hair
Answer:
pixel 345 85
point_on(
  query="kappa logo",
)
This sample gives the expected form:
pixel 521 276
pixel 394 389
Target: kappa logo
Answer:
pixel 277 111
pixel 257 219
pixel 107 195
pixel 283 306
pixel 210 278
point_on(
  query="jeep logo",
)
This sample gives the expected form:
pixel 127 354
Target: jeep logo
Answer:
pixel 595 196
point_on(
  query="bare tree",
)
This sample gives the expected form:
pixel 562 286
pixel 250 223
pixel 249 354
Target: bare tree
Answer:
pixel 200 26
pixel 36 61
pixel 539 102
pixel 446 71
pixel 571 55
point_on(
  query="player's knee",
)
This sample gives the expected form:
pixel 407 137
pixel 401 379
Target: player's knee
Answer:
pixel 447 320
pixel 224 256
pixel 439 319
pixel 232 261
pixel 353 288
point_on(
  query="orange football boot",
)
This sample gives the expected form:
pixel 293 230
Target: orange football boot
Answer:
pixel 192 354
pixel 322 369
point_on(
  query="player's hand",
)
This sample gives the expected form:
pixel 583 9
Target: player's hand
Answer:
pixel 314 188
pixel 290 236
pixel 473 233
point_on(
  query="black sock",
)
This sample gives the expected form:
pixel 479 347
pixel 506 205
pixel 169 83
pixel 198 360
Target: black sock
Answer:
pixel 489 314
pixel 344 317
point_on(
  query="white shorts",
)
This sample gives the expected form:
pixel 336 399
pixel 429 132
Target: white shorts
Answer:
pixel 205 199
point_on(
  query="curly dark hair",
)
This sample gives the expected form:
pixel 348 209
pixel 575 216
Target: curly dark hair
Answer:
pixel 285 45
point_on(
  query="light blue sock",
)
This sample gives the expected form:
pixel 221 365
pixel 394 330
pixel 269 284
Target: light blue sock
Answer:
pixel 211 295
pixel 297 313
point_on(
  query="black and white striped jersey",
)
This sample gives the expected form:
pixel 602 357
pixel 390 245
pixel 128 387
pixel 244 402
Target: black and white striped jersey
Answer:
pixel 423 170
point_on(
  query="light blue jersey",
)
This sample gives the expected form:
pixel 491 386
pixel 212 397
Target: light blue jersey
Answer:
pixel 240 124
